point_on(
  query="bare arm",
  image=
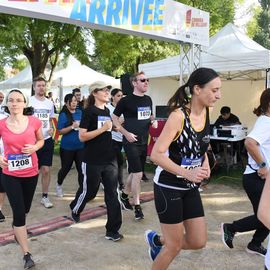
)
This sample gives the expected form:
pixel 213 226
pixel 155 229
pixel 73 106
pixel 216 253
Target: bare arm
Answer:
pixel 117 122
pixel 66 130
pixel 158 155
pixel 85 135
pixel 263 210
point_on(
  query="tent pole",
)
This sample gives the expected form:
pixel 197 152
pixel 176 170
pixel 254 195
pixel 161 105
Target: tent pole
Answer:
pixel 61 92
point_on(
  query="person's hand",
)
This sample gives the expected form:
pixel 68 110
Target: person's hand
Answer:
pixel 50 131
pixel 131 137
pixel 29 149
pixel 3 162
pixel 75 124
pixel 107 125
pixel 154 124
pixel 197 174
pixel 262 172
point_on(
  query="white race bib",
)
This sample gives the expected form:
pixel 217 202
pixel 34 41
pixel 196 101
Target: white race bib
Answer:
pixel 102 120
pixel 19 162
pixel 44 116
pixel 189 163
pixel 144 113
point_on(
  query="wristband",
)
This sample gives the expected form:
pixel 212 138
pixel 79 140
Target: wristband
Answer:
pixel 261 164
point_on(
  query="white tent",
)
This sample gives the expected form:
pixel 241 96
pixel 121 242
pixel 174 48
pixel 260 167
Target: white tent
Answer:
pixel 240 61
pixel 231 53
pixel 74 75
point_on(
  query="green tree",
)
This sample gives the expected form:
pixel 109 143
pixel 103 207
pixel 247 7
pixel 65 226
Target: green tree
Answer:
pixel 116 54
pixel 42 42
pixel 262 35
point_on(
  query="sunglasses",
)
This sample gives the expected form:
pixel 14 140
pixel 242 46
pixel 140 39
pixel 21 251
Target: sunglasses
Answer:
pixel 143 80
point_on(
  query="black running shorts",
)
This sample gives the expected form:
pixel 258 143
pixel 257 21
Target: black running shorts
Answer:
pixel 45 154
pixel 174 206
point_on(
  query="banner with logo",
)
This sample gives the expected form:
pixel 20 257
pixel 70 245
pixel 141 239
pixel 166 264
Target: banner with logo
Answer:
pixel 158 19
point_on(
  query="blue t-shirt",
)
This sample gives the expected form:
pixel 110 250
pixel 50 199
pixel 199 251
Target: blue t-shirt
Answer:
pixel 70 141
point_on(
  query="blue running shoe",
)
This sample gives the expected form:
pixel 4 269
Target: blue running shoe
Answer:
pixel 153 250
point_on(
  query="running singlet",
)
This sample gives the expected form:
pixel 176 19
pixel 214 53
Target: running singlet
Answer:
pixel 137 111
pixel 188 151
pixel 44 111
pixel 19 164
pixel 99 150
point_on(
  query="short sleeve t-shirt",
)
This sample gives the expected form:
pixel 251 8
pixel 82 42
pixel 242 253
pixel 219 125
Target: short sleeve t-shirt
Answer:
pixel 70 140
pixel 99 150
pixel 20 165
pixel 44 111
pixel 137 111
pixel 260 133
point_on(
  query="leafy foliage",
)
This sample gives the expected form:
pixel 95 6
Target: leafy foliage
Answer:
pixel 116 54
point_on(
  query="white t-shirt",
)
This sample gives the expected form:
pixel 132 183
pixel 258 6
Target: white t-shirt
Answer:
pixel 261 134
pixel 267 257
pixel 44 111
pixel 117 136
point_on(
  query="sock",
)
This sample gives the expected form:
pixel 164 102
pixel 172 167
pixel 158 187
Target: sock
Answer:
pixel 156 240
pixel 137 206
pixel 44 195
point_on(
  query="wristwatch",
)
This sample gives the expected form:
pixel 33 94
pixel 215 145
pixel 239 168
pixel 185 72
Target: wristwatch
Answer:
pixel 261 164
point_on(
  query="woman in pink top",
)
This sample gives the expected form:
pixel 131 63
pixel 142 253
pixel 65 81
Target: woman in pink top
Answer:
pixel 22 137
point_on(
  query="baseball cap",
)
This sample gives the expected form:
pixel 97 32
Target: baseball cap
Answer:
pixel 98 85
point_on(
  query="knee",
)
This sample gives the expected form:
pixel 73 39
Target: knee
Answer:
pixel 197 244
pixel 173 248
pixel 19 220
pixel 45 170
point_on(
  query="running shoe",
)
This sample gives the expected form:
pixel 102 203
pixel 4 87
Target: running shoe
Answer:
pixel 138 213
pixel 28 261
pixel 46 202
pixel 75 217
pixel 153 249
pixel 254 249
pixel 125 202
pixel 59 191
pixel 2 217
pixel 114 236
pixel 227 235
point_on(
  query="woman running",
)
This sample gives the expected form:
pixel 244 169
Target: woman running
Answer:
pixel 180 153
pixel 116 95
pixel 71 148
pixel 22 137
pixel 99 161
pixel 257 144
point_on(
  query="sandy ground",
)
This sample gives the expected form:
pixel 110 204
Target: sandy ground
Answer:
pixel 83 246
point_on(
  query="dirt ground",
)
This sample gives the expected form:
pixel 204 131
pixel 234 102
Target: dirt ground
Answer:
pixel 83 246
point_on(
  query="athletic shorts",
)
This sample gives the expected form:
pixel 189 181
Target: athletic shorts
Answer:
pixel 1 186
pixel 174 206
pixel 45 154
pixel 135 156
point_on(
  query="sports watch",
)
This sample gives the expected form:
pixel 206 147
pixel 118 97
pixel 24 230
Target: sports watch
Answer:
pixel 261 164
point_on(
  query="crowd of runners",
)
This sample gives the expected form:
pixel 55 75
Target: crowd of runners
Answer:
pixel 94 133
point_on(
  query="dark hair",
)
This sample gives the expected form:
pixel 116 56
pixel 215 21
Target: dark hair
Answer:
pixel 115 91
pixel 39 79
pixel 27 110
pixel 225 110
pixel 76 90
pixel 68 99
pixel 200 77
pixel 264 103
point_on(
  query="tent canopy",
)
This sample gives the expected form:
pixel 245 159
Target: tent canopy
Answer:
pixel 74 75
pixel 230 52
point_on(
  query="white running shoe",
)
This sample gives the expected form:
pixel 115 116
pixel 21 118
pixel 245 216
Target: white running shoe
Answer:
pixel 59 191
pixel 46 202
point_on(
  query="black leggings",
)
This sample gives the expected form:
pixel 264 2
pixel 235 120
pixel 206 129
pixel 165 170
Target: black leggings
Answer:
pixel 20 192
pixel 120 161
pixel 67 158
pixel 253 186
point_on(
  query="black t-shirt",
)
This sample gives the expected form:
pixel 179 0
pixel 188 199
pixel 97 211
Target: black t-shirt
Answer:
pixel 233 119
pixel 137 111
pixel 99 150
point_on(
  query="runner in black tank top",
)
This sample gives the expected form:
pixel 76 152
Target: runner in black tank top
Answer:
pixel 180 153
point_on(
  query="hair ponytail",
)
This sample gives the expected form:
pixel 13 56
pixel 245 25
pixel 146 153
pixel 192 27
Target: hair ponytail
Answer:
pixel 90 101
pixel 179 99
pixel 264 103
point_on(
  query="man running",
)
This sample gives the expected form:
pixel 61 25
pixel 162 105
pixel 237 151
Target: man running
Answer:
pixel 137 112
pixel 44 110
